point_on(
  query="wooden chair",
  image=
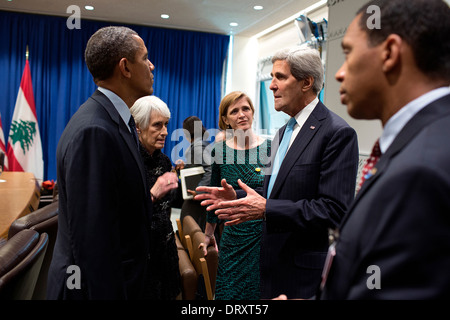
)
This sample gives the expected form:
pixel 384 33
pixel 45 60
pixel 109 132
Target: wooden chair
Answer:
pixel 190 227
pixel 189 277
pixel 205 265
pixel 180 232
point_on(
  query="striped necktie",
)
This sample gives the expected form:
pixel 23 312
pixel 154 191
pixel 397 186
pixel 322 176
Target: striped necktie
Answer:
pixel 368 169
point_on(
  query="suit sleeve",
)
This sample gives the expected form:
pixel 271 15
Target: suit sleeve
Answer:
pixel 409 240
pixel 92 211
pixel 317 194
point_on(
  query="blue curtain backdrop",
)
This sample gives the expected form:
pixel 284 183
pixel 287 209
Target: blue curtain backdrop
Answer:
pixel 188 73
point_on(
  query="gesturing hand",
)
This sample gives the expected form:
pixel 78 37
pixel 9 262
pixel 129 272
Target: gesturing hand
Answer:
pixel 251 207
pixel 213 195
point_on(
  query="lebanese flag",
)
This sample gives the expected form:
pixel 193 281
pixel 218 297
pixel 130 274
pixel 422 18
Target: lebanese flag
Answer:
pixel 24 142
pixel 2 145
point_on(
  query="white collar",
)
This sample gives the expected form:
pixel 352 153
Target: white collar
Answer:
pixel 396 123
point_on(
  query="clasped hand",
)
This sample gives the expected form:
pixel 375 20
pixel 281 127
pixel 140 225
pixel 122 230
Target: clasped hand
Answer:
pixel 223 200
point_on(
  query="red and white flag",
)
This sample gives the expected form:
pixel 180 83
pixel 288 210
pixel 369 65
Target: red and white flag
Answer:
pixel 24 141
pixel 3 145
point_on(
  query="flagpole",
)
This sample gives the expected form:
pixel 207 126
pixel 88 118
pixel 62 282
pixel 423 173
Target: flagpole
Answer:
pixel 27 53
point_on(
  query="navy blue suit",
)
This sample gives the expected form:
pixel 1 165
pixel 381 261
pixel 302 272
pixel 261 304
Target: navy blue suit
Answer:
pixel 313 190
pixel 104 207
pixel 400 219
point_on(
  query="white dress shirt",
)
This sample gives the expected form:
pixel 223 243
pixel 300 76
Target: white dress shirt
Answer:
pixel 301 118
pixel 396 123
pixel 119 104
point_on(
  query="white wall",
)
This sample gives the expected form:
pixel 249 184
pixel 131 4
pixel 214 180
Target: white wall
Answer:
pixel 340 15
pixel 247 52
pixel 245 55
pixel 286 36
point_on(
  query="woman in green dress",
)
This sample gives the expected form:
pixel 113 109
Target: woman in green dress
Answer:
pixel 242 155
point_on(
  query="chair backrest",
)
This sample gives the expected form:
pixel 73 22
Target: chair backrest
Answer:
pixel 189 277
pixel 190 226
pixel 20 264
pixel 205 265
pixel 42 220
pixel 2 160
pixel 180 232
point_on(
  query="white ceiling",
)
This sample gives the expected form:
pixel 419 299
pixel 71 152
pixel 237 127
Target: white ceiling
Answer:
pixel 212 16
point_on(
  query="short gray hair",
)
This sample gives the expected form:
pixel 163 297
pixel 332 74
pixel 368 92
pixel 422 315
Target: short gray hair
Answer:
pixel 143 109
pixel 303 62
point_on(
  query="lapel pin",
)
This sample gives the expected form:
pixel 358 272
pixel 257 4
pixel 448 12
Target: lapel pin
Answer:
pixel 312 127
pixel 371 173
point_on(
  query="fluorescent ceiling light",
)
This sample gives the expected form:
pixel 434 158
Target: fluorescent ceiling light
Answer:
pixel 258 7
pixel 90 8
pixel 165 16
pixel 234 24
pixel 313 7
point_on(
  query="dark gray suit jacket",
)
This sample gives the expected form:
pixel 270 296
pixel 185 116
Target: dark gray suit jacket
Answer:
pixel 400 219
pixel 104 207
pixel 314 187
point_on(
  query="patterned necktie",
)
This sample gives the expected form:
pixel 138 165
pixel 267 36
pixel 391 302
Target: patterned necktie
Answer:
pixel 367 170
pixel 281 153
pixel 132 125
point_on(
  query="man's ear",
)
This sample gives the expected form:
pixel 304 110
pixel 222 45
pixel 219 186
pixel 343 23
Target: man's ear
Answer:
pixel 308 83
pixel 123 67
pixel 391 52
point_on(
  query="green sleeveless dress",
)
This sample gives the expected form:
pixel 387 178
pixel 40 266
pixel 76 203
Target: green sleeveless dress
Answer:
pixel 238 275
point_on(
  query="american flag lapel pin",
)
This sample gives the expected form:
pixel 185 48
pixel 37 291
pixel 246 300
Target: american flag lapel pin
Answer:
pixel 312 127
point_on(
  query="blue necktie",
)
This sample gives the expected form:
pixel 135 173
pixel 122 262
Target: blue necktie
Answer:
pixel 132 125
pixel 281 152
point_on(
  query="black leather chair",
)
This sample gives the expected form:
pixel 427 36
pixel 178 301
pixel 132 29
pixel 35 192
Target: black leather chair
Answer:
pixel 20 264
pixel 42 220
pixel 2 160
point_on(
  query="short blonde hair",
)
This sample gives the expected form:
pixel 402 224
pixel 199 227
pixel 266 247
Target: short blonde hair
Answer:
pixel 229 100
pixel 144 107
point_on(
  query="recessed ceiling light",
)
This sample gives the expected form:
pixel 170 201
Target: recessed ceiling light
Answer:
pixel 165 16
pixel 90 8
pixel 234 24
pixel 258 7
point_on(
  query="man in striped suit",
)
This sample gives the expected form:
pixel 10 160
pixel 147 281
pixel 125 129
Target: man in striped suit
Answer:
pixel 311 191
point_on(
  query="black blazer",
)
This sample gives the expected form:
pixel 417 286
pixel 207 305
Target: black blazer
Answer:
pixel 314 187
pixel 400 219
pixel 104 207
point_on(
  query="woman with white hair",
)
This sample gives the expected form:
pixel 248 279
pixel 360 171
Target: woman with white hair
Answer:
pixel 152 116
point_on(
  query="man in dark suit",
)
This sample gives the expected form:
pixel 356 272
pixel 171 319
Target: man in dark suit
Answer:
pixel 102 247
pixel 312 190
pixel 395 241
